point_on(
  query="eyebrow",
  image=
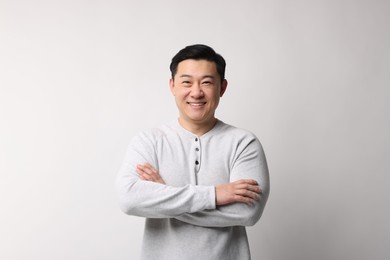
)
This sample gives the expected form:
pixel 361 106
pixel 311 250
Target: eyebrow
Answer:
pixel 189 76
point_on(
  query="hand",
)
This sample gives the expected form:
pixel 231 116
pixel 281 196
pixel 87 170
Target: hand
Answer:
pixel 147 173
pixel 244 191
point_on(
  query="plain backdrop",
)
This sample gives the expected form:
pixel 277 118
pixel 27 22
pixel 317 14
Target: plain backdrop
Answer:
pixel 78 79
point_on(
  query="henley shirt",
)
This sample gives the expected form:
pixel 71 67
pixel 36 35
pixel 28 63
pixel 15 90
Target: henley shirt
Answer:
pixel 182 219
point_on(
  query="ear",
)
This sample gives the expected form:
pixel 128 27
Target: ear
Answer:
pixel 172 87
pixel 223 87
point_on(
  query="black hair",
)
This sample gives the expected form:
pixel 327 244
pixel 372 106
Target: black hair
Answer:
pixel 199 52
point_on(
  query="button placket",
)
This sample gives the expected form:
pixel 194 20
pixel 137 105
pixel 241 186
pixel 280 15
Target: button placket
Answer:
pixel 197 154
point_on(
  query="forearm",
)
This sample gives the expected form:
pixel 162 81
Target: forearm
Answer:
pixel 154 200
pixel 237 214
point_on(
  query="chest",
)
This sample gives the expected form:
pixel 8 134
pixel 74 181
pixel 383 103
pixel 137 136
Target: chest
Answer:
pixel 196 161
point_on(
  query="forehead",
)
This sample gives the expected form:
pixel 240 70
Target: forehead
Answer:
pixel 196 68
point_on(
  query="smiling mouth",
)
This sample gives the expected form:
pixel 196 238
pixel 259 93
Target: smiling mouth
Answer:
pixel 196 104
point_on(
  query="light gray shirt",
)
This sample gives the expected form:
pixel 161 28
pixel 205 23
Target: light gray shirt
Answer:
pixel 183 221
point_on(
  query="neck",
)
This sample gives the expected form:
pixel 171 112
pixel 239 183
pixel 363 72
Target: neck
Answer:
pixel 198 129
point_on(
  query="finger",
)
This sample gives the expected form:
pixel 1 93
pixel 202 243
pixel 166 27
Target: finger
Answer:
pixel 248 194
pixel 148 165
pixel 247 181
pixel 140 168
pixel 149 170
pixel 144 177
pixel 253 188
pixel 141 171
pixel 243 199
pixel 142 174
pixel 153 173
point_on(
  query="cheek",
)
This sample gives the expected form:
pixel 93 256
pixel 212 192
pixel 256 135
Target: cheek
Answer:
pixel 183 93
pixel 179 96
pixel 215 96
pixel 216 101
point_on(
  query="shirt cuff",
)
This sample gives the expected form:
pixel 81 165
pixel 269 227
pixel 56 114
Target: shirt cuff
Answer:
pixel 205 198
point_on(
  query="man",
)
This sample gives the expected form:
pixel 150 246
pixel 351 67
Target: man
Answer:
pixel 197 180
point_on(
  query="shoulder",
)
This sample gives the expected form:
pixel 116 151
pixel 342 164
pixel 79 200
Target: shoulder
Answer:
pixel 154 134
pixel 234 132
pixel 237 138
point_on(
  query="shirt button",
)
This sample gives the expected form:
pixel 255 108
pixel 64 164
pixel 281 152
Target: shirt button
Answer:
pixel 196 149
pixel 196 139
pixel 196 162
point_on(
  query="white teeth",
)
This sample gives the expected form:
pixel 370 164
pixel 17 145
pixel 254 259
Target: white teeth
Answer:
pixel 197 104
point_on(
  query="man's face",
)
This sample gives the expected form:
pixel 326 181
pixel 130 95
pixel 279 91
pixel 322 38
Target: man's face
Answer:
pixel 197 88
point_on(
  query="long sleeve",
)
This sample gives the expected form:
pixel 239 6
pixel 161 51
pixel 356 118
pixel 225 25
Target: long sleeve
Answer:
pixel 185 208
pixel 250 164
pixel 154 200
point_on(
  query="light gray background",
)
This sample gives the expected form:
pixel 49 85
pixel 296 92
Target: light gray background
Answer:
pixel 80 78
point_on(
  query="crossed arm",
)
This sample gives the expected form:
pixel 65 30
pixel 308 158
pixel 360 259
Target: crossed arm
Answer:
pixel 142 190
pixel 239 203
pixel 241 191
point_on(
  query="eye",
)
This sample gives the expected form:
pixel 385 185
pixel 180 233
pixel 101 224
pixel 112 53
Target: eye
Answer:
pixel 186 83
pixel 207 83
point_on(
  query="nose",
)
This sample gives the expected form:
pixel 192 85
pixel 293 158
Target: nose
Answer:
pixel 196 91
